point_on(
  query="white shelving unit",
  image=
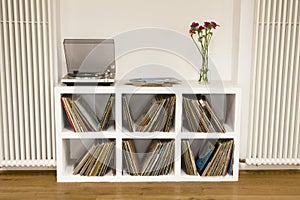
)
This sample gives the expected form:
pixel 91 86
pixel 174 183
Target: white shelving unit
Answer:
pixel 225 98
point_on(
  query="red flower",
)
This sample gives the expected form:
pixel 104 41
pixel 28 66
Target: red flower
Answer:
pixel 201 28
pixel 202 34
pixel 207 24
pixel 194 24
pixel 192 31
pixel 214 24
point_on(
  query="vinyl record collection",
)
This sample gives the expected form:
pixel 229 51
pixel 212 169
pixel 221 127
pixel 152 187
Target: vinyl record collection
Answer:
pixel 213 159
pixel 200 116
pixel 157 115
pixel 96 160
pixel 82 117
pixel 159 159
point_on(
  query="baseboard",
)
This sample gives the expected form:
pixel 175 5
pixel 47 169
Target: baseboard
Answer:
pixel 27 168
pixel 244 166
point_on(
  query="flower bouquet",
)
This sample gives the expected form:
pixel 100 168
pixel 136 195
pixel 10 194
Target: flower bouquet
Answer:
pixel 203 34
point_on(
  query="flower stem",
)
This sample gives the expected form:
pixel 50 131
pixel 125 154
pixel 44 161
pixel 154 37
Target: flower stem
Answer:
pixel 197 46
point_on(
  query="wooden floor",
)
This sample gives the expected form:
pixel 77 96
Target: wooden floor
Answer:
pixel 283 185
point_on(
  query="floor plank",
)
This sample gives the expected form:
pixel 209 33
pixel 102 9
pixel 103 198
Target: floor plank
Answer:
pixel 252 185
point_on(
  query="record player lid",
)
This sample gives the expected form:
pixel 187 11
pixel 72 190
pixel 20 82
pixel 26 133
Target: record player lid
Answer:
pixel 90 56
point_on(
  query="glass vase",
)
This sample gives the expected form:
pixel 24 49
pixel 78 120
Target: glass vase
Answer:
pixel 203 74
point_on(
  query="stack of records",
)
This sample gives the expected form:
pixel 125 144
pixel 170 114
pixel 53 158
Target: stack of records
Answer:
pixel 82 117
pixel 189 158
pixel 96 161
pixel 201 117
pixel 130 156
pixel 159 159
pixel 220 162
pixel 213 159
pixel 157 115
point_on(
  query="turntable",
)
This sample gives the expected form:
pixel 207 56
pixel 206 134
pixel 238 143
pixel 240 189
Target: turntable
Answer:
pixel 89 61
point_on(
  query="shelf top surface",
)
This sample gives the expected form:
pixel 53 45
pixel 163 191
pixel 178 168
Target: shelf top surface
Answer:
pixel 185 87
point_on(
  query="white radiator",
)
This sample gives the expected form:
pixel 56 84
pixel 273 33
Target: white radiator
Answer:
pixel 27 78
pixel 274 137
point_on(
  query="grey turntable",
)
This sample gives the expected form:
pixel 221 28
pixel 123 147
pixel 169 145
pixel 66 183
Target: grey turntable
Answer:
pixel 90 61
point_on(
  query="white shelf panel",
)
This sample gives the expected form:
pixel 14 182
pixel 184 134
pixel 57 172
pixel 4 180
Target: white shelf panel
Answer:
pixel 124 88
pixel 78 178
pixel 68 133
pixel 109 177
pixel 128 178
pixel 213 87
pixel 86 89
pixel 153 135
pixel 88 135
pixel 146 135
pixel 69 177
pixel 186 87
pixel 172 173
pixel 197 135
pixel 185 177
pixel 146 90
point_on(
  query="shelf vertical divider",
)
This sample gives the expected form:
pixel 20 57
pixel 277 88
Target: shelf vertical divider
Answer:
pixel 178 112
pixel 178 127
pixel 59 127
pixel 119 136
pixel 118 157
pixel 237 130
pixel 177 161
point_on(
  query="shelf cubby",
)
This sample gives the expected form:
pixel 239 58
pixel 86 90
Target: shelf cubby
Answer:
pixel 78 152
pixel 88 112
pixel 222 106
pixel 150 157
pixel 210 157
pixel 148 112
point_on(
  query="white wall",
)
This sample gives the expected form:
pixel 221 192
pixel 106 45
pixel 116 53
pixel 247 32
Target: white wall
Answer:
pixel 113 18
pixel 230 50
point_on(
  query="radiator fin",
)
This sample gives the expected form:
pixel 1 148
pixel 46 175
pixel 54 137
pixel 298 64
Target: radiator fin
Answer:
pixel 27 67
pixel 275 110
